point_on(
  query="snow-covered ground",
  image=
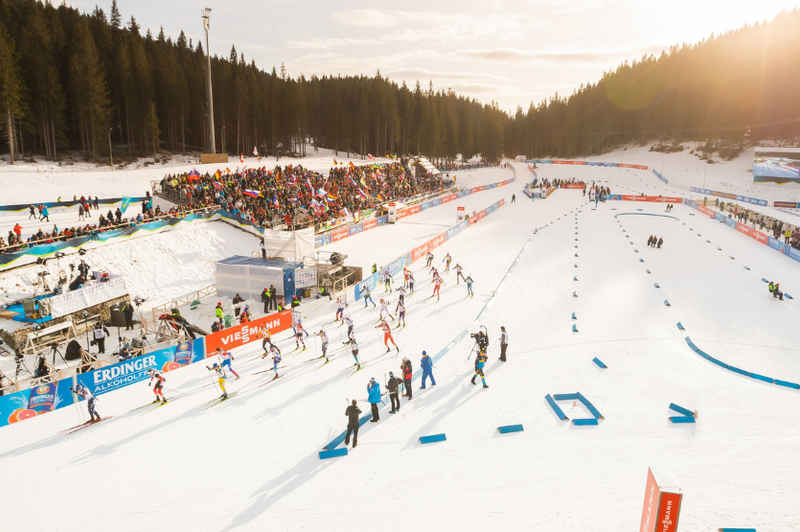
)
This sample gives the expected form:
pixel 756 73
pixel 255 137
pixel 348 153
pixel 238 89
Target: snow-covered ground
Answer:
pixel 251 463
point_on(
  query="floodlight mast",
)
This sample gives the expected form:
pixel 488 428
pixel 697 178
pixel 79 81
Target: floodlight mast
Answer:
pixel 206 15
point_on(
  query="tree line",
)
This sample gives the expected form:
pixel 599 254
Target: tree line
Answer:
pixel 727 90
pixel 74 81
pixel 87 81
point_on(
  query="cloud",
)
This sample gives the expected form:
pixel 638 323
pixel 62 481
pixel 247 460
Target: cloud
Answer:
pixel 425 74
pixel 586 56
pixel 371 18
pixel 327 44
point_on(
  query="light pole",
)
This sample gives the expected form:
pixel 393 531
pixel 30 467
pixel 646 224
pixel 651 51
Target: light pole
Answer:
pixel 704 173
pixel 110 152
pixel 206 15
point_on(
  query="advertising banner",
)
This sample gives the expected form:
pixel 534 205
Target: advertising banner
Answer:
pixel 787 204
pixel 247 332
pixel 662 503
pixel 43 398
pixel 776 165
pixel 123 374
pixel 370 282
pixel 635 166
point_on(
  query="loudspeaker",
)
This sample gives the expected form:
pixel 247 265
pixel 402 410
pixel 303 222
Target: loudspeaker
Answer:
pixel 117 318
pixel 73 350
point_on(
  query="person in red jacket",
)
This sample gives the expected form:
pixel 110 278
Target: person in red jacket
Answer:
pixel 387 335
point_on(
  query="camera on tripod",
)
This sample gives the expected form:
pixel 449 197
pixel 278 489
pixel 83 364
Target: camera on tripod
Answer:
pixel 42 274
pixel 139 300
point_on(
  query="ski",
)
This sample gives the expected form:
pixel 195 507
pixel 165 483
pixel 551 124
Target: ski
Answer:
pixel 266 370
pixel 88 424
pixel 313 359
pixel 78 426
pixel 219 400
pixel 357 370
pixel 347 368
pixel 323 364
pixel 162 403
pixel 269 381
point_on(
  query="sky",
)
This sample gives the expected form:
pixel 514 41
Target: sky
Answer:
pixel 512 53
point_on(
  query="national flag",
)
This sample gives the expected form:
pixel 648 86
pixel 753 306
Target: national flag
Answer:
pixel 194 172
pixel 351 165
pixel 361 193
pixel 364 183
pixel 334 162
pixel 255 151
pixel 253 193
pixel 241 158
pixel 126 200
pixel 351 181
pixel 218 184
pixel 332 197
pixel 380 197
pixel 227 170
pixel 310 186
pixel 370 157
pixel 275 201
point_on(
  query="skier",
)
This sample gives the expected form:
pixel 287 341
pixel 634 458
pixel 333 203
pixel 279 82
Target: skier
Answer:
pixel 339 310
pixel 469 282
pixel 402 295
pixel 405 367
pixel 158 389
pixel 387 335
pixel 387 280
pixel 411 282
pixel 480 361
pixel 374 397
pixel 394 392
pixel 459 275
pixel 503 343
pixel 447 258
pixel 298 338
pixel 84 393
pixel 221 377
pixel 401 314
pixel 354 351
pixel 650 241
pixel 513 198
pixel 276 359
pixel 365 294
pixel 352 414
pixel 349 322
pixel 385 308
pixel 297 321
pixel 429 259
pixel 427 370
pixel 324 339
pixel 226 358
pixel 267 338
pixel 406 273
pixel 437 284
pixel 660 241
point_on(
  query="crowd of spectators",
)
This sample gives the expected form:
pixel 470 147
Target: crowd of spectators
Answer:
pixel 113 219
pixel 453 166
pixel 294 195
pixel 779 230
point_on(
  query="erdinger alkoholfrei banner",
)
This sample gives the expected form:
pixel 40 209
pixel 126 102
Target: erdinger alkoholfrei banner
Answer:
pixel 780 166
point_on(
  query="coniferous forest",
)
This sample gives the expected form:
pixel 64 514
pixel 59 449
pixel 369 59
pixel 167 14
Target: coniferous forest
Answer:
pixel 69 81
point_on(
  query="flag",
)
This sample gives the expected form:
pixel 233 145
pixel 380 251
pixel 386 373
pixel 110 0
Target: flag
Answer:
pixel 370 157
pixel 194 172
pixel 241 158
pixel 310 186
pixel 332 197
pixel 380 197
pixel 334 162
pixel 361 193
pixel 351 181
pixel 351 165
pixel 275 201
pixel 217 184
pixel 253 193
pixel 364 183
pixel 255 151
pixel 126 200
pixel 227 170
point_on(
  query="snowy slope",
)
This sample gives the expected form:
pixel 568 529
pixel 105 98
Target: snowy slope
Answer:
pixel 255 456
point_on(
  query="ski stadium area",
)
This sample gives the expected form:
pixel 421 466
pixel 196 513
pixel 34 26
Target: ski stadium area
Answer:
pixel 621 357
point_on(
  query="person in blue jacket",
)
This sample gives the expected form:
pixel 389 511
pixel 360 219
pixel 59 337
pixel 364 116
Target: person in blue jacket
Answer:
pixel 427 370
pixel 374 397
pixel 480 361
pixel 45 213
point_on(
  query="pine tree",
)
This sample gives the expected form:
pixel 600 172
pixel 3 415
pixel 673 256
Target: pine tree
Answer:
pixel 11 105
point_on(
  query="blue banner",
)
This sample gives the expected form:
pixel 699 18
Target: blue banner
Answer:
pixel 43 398
pixel 370 282
pixel 126 200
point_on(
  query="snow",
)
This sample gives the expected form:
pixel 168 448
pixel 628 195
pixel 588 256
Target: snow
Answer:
pixel 251 463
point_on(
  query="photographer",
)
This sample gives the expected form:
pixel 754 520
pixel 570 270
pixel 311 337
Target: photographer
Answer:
pixel 76 283
pixel 84 268
pixel 100 332
pixel 481 339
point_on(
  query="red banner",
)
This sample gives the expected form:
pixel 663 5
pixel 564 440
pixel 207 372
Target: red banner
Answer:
pixel 247 332
pixel 574 186
pixel 580 163
pixel 636 166
pixel 451 197
pixel 744 229
pixel 705 210
pixel 419 252
pixel 656 199
pixel 372 223
pixel 340 234
pixel 759 236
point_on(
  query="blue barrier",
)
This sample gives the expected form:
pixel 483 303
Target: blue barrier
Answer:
pixel 703 354
pixel 680 327
pixel 510 428
pixel 599 362
pixel 555 407
pixel 576 254
pixel 656 285
pixel 574 294
pixel 323 455
pixel 787 384
pixel 433 438
pixel 574 328
pixel 739 371
pixel 566 397
pixel 681 410
pixel 589 421
pixel 573 316
pixel 737 530
pixel 718 362
pixel 575 278
pixel 642 260
pixel 762 378
pixel 682 419
pixel 667 303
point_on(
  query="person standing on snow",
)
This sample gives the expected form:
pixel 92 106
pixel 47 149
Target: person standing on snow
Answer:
pixel 447 259
pixel 437 284
pixel 374 397
pixel 339 310
pixel 84 393
pixel 469 282
pixel 405 367
pixel 503 343
pixel 221 378
pixel 352 414
pixel 459 275
pixel 387 335
pixel 394 392
pixel 387 280
pixel 226 361
pixel 365 293
pixel 480 362
pixel 428 259
pixel 385 308
pixel 427 370
pixel 324 339
pixel 158 389
pixel 401 314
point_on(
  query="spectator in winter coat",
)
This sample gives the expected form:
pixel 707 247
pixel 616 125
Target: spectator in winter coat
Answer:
pixel 427 370
pixel 503 343
pixel 266 298
pixel 352 414
pixel 374 397
pixel 407 374
pixel 394 390
pixel 219 314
